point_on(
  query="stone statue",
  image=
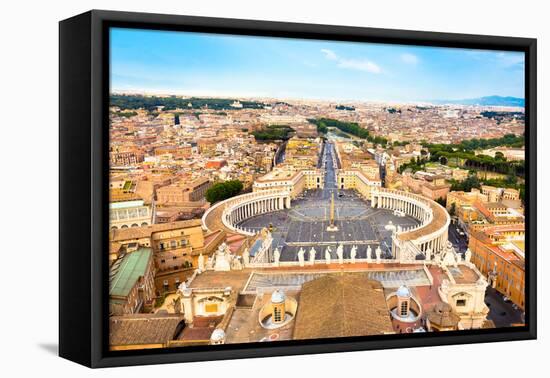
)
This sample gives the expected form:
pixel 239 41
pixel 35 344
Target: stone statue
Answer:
pixel 327 254
pixel 222 258
pixel 301 256
pixel 353 253
pixel 437 259
pixel 201 263
pixel 276 256
pixel 378 252
pixel 246 257
pixel 312 253
pixel 449 257
pixel 236 264
pixel 340 253
pixel 182 287
pixel 468 255
pixel 399 229
pixel 176 304
pixel 428 254
pixel 369 253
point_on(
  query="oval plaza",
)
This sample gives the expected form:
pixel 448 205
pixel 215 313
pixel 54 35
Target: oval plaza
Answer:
pixel 326 207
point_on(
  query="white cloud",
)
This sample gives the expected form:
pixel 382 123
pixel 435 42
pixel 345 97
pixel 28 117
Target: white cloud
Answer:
pixel 409 58
pixel 503 59
pixel 511 59
pixel 354 64
pixel 361 65
pixel 329 54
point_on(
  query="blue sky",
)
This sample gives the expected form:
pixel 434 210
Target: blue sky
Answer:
pixel 242 66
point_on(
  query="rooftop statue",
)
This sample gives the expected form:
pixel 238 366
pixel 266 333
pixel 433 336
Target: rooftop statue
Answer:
pixel 378 253
pixel 246 257
pixel 201 263
pixel 353 253
pixel 276 256
pixel 312 253
pixel 327 254
pixel 301 253
pixel 468 255
pixel 340 253
pixel 369 253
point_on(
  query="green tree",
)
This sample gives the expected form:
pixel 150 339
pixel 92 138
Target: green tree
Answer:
pixel 441 201
pixel 452 210
pixel 223 190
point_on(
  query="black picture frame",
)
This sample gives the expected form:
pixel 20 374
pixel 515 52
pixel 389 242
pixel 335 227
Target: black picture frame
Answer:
pixel 83 196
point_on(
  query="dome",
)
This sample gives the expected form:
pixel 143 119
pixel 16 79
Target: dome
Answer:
pixel 403 291
pixel 277 297
pixel 443 308
pixel 218 335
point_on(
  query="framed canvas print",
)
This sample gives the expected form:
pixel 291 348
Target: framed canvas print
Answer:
pixel 234 188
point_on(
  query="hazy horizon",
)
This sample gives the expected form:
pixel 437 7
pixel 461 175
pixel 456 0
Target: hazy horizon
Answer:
pixel 199 64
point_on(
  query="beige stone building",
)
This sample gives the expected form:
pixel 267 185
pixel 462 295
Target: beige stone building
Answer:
pixel 129 214
pixel 176 247
pixel 362 179
pixel 183 192
pixel 294 181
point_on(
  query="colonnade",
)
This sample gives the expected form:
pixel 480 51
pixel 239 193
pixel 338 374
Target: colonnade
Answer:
pixel 410 206
pixel 250 207
pixel 430 236
pixel 237 209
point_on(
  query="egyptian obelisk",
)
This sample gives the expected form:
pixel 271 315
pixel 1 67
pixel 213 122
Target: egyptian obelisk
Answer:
pixel 332 226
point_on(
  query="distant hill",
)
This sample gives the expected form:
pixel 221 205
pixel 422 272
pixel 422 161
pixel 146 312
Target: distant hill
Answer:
pixel 486 101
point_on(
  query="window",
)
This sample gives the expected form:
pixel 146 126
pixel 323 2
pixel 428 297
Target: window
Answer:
pixel 277 314
pixel 161 246
pixel 404 308
pixel 460 302
pixel 183 242
pixel 173 244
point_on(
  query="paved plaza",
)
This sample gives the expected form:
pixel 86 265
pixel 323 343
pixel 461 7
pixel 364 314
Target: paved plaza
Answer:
pixel 305 224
